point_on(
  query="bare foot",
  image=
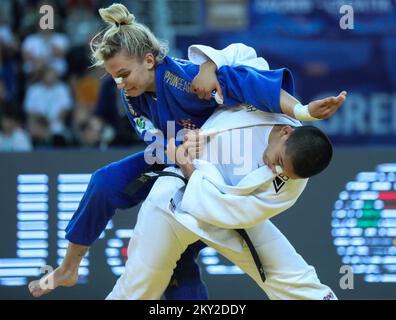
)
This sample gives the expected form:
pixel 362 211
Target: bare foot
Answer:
pixel 325 108
pixel 51 281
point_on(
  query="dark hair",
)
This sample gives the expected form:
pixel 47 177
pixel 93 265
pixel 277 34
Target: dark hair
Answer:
pixel 11 112
pixel 310 151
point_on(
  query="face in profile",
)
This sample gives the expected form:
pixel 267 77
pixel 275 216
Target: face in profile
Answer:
pixel 134 75
pixel 276 153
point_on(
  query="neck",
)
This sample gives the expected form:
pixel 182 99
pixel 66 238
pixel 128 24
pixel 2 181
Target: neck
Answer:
pixel 273 138
pixel 152 88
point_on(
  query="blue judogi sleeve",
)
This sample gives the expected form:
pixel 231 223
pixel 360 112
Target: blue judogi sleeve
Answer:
pixel 260 88
pixel 240 85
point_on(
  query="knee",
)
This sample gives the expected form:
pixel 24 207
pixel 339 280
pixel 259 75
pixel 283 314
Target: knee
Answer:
pixel 107 188
pixel 150 252
pixel 158 260
pixel 100 181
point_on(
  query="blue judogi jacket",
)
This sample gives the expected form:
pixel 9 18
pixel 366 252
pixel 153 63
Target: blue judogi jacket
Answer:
pixel 173 102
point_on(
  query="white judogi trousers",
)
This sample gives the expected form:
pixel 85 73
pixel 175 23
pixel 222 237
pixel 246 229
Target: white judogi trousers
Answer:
pixel 159 240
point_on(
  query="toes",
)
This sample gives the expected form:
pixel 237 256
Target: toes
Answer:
pixel 36 294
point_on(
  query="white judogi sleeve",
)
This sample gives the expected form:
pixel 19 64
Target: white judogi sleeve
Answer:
pixel 206 201
pixel 235 54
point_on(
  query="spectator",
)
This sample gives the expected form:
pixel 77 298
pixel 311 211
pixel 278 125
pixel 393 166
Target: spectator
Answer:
pixel 43 48
pixel 85 91
pixel 12 136
pixel 110 109
pixel 81 25
pixel 92 132
pixel 39 129
pixel 50 98
pixel 28 18
pixel 8 48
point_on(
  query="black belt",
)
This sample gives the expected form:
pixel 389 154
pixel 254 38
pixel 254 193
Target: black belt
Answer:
pixel 141 180
pixel 149 175
pixel 157 174
pixel 256 258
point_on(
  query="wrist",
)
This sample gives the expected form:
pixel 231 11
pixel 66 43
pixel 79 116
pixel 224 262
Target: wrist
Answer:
pixel 301 112
pixel 187 170
pixel 208 65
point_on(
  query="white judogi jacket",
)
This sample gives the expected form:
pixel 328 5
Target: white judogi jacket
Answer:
pixel 211 208
pixel 235 54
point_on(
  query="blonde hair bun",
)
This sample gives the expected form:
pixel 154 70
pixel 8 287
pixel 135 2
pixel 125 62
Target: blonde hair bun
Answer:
pixel 134 39
pixel 117 14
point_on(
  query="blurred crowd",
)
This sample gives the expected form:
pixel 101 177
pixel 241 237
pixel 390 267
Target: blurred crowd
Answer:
pixel 50 97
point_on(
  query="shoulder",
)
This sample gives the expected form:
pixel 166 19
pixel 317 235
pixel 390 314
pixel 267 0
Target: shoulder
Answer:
pixel 173 68
pixel 282 187
pixel 175 62
pixel 35 88
pixel 59 38
pixel 31 40
pixel 62 86
pixel 20 134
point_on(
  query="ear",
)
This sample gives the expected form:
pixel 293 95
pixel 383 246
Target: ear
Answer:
pixel 149 60
pixel 286 131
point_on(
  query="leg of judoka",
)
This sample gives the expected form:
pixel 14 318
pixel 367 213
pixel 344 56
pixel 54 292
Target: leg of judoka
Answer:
pixel 288 276
pixel 156 245
pixel 186 283
pixel 107 192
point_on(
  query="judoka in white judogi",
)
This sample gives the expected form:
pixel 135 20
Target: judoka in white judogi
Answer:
pixel 216 200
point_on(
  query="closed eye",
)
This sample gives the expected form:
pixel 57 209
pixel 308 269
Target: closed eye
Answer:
pixel 124 75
